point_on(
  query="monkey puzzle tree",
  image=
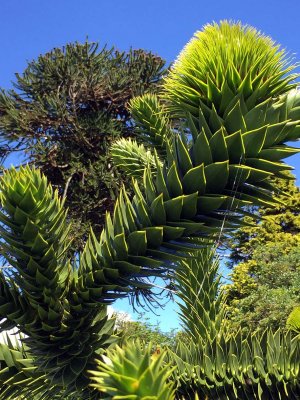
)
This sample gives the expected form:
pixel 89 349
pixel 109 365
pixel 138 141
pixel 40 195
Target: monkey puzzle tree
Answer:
pixel 64 112
pixel 238 109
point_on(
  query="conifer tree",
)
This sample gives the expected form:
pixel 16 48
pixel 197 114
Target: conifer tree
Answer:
pixel 278 224
pixel 265 281
pixel 64 112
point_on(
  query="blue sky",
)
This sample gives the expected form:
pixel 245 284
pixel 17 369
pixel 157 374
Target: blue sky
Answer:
pixel 31 27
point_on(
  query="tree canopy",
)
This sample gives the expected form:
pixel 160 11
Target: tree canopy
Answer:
pixel 266 280
pixel 65 111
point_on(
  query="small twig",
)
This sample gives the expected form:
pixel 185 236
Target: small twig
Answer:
pixel 67 186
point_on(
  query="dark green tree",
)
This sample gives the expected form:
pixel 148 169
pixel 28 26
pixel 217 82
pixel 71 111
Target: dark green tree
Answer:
pixel 63 114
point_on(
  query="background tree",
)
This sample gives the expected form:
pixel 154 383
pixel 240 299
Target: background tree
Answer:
pixel 281 223
pixel 266 288
pixel 146 331
pixel 266 281
pixel 64 112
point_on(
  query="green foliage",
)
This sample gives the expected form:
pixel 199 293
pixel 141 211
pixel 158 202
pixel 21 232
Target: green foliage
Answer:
pixel 200 303
pixel 175 204
pixel 67 108
pixel 17 372
pixel 247 68
pixel 152 121
pixel 132 372
pixel 277 224
pixel 234 159
pixel 218 365
pixel 293 321
pixel 132 157
pixel 265 284
pixel 259 366
pixel 266 289
pixel 154 130
pixel 39 290
pixel 146 332
pixel 196 193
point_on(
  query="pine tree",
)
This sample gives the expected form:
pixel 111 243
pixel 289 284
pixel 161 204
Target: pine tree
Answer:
pixel 64 112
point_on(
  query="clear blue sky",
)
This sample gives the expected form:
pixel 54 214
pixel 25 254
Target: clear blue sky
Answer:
pixel 31 27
